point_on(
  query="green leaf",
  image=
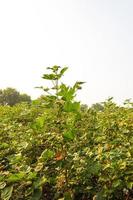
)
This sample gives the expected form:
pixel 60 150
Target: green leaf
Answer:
pixel 69 135
pixel 47 154
pixel 50 76
pixel 78 85
pixel 40 122
pixel 72 107
pixel 4 145
pixel 130 185
pixel 67 93
pixel 16 177
pixel 46 89
pixel 116 183
pixel 39 87
pixel 63 71
pixel 55 68
pixel 39 183
pixel 31 176
pixel 6 193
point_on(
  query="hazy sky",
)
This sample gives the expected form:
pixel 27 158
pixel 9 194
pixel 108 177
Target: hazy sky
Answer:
pixel 93 37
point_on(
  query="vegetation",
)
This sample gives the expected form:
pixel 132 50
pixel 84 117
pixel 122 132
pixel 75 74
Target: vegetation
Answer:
pixel 11 96
pixel 58 149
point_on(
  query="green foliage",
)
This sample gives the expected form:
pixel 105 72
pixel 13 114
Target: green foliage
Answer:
pixel 24 98
pixel 98 107
pixel 11 96
pixel 55 148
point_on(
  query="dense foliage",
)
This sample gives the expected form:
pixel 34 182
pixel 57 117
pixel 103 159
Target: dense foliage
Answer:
pixel 11 96
pixel 56 148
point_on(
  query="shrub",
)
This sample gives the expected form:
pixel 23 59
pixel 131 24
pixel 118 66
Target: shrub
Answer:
pixel 55 149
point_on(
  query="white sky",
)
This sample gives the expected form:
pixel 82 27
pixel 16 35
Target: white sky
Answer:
pixel 93 37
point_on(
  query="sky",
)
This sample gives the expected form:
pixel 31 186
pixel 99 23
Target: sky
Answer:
pixel 94 38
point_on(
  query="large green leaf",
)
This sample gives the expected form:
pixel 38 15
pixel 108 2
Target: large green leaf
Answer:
pixel 72 107
pixel 63 71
